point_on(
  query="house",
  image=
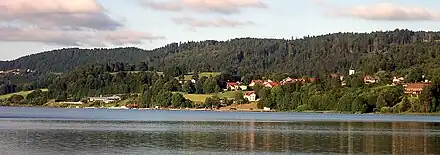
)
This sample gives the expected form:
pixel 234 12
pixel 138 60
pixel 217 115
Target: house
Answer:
pixel 351 72
pixel 398 81
pixel 415 89
pixel 250 96
pixel 72 103
pixel 105 99
pixel 270 84
pixel 256 82
pixel 288 80
pixel 312 79
pixel 131 106
pixel 337 76
pixel 369 79
pixel 243 87
pixel 232 86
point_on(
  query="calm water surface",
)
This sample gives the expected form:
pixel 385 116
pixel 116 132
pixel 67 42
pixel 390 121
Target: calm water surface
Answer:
pixel 95 131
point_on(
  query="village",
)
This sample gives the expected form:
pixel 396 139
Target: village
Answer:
pixel 413 89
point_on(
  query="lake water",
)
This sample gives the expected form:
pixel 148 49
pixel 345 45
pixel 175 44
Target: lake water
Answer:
pixel 97 131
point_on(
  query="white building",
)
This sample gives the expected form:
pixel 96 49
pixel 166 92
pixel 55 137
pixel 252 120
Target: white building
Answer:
pixel 250 96
pixel 351 72
pixel 243 87
pixel 105 99
pixel 399 80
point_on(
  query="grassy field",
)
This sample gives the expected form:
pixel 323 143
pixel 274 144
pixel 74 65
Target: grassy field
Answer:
pixel 229 94
pixel 22 93
pixel 200 98
pixel 201 74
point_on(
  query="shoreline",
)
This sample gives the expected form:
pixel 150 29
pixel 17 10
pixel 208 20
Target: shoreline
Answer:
pixel 221 110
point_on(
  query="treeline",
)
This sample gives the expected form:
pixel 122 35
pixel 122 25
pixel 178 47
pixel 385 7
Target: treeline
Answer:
pixel 156 89
pixel 327 94
pixel 165 90
pixel 391 51
pixel 23 82
pixel 35 98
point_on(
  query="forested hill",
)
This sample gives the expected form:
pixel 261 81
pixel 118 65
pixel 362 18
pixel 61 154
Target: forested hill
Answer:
pixel 369 52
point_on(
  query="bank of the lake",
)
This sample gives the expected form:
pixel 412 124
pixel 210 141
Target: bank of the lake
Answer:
pixel 105 131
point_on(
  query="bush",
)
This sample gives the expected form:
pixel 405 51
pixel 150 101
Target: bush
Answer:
pixel 386 110
pixel 302 108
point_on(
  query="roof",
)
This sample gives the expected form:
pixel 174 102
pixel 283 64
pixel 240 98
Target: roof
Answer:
pixel 132 105
pixel 257 81
pixel 273 84
pixel 334 75
pixel 416 86
pixel 249 93
pixel 231 83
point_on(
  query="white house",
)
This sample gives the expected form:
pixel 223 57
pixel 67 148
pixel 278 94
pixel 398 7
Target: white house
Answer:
pixel 399 80
pixel 370 79
pixel 250 96
pixel 351 72
pixel 256 82
pixel 105 99
pixel 232 86
pixel 243 87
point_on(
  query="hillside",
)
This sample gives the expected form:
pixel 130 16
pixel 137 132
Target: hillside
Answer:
pixel 369 52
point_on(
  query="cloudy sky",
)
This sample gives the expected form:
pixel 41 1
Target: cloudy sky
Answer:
pixel 31 26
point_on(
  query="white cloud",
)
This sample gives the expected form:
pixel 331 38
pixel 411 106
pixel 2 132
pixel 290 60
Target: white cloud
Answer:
pixel 388 12
pixel 207 6
pixel 75 37
pixel 220 22
pixel 64 22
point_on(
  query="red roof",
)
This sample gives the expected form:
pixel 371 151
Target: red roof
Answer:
pixel 257 81
pixel 416 87
pixel 334 75
pixel 273 84
pixel 132 105
pixel 249 93
pixel 231 83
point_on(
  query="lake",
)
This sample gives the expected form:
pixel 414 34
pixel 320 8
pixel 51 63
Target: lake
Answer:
pixel 99 131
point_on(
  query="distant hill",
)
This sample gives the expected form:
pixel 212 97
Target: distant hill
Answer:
pixel 369 52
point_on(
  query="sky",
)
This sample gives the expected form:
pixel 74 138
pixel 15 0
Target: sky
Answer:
pixel 33 26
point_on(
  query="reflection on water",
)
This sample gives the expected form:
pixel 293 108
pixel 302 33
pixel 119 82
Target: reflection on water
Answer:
pixel 162 137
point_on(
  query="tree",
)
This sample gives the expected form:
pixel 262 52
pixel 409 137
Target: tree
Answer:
pixel 200 85
pixel 239 98
pixel 16 99
pixel 164 99
pixel 212 102
pixel 195 75
pixel 380 102
pixel 414 75
pixel 266 99
pixel 174 71
pixel 425 99
pixel 189 87
pixel 359 105
pixel 211 86
pixel 142 66
pixel 177 100
pixel 405 105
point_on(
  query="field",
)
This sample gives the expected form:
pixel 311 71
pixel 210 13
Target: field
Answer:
pixel 200 98
pixel 22 93
pixel 201 74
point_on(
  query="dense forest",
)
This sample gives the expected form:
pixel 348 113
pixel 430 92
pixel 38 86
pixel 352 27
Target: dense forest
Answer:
pixel 156 75
pixel 370 52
